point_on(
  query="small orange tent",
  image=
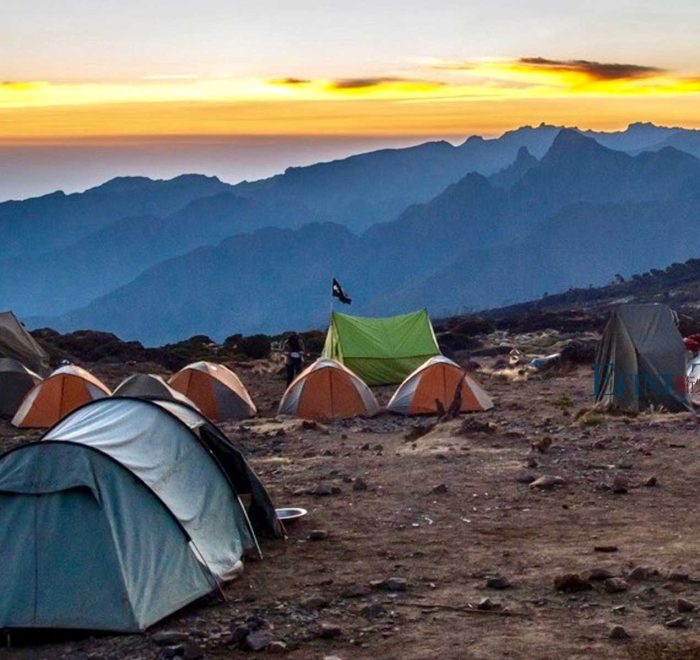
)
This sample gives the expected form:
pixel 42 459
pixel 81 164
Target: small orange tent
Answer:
pixel 437 380
pixel 215 390
pixel 327 390
pixel 62 392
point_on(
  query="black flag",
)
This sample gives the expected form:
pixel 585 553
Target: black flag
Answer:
pixel 338 292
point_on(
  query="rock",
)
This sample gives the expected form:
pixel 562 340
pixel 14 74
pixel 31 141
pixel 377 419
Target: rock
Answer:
pixel 599 574
pixel 317 535
pixel 322 490
pixel 618 633
pixel 605 548
pixel 677 576
pixel 524 477
pixel 650 482
pixel 332 657
pixel 616 585
pixel 373 611
pixel 677 622
pixel 683 605
pixel 571 583
pixel 258 640
pixel 547 482
pixel 640 573
pixel 359 484
pixel 619 485
pixel 315 603
pixel 497 582
pixel 354 591
pixel 184 651
pixel 329 631
pixel 531 462
pixel 276 647
pixel 486 604
pixel 239 633
pixel 440 489
pixel 169 637
pixel 396 584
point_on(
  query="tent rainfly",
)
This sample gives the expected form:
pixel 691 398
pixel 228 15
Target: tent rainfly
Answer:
pixel 327 390
pixel 434 385
pixel 62 392
pixel 215 390
pixel 17 343
pixel 15 381
pixel 122 515
pixel 381 351
pixel 641 360
pixel 149 386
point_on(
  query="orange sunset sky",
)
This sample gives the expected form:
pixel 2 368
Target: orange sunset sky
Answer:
pixel 113 73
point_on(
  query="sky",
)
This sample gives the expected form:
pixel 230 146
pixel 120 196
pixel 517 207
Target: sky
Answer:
pixel 242 89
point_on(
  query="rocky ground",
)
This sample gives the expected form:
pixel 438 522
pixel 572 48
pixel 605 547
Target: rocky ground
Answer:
pixel 535 530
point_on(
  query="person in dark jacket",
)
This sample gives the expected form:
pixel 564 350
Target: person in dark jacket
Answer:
pixel 294 356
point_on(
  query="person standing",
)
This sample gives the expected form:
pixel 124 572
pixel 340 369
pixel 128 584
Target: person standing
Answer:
pixel 294 356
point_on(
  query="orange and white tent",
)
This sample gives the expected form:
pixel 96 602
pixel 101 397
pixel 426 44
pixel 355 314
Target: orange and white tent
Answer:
pixel 327 390
pixel 438 380
pixel 62 392
pixel 215 390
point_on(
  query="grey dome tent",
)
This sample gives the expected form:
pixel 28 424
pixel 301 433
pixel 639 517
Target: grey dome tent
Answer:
pixel 165 456
pixel 15 382
pixel 86 545
pixel 641 360
pixel 149 386
pixel 17 343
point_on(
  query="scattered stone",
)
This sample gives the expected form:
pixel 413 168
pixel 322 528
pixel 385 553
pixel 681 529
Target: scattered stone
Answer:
pixel 325 490
pixel 497 582
pixel 239 633
pixel 616 585
pixel 169 637
pixel 547 482
pixel 571 583
pixel 641 573
pixel 373 611
pixel 354 591
pixel 677 576
pixel 599 574
pixel 396 584
pixel 541 445
pixel 258 640
pixel 315 603
pixel 329 631
pixel 677 622
pixel 531 462
pixel 618 633
pixel 619 485
pixel 318 535
pixel 486 604
pixel 619 609
pixel 650 482
pixel 524 477
pixel 277 647
pixel 439 489
pixel 605 548
pixel 359 484
pixel 683 605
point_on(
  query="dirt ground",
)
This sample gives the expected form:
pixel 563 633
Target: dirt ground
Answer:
pixel 446 513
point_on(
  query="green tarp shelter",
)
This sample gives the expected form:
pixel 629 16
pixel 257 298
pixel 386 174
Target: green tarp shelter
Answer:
pixel 381 351
pixel 641 360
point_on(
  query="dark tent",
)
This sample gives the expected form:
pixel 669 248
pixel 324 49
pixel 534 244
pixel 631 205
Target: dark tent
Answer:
pixel 15 382
pixel 17 343
pixel 641 360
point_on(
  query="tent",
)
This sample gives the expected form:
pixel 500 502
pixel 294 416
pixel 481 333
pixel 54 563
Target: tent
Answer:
pixel 381 351
pixel 90 546
pixel 17 343
pixel 434 385
pixel 63 391
pixel 15 381
pixel 641 360
pixel 327 390
pixel 215 390
pixel 149 386
pixel 125 512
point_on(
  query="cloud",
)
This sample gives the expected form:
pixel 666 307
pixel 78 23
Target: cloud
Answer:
pixel 382 81
pixel 591 69
pixel 292 82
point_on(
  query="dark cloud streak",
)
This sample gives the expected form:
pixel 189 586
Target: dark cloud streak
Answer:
pixel 595 70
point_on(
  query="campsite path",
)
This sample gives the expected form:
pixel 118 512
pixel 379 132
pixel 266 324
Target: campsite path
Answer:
pixel 449 512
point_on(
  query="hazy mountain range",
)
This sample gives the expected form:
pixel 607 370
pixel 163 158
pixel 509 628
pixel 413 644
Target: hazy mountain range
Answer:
pixel 481 224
